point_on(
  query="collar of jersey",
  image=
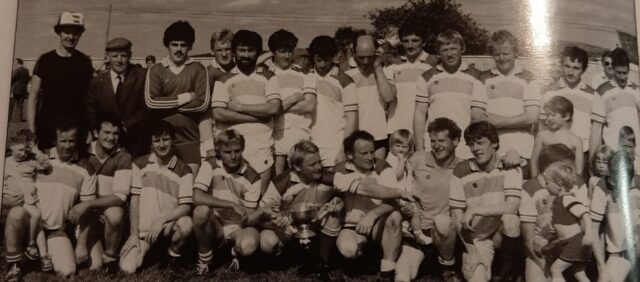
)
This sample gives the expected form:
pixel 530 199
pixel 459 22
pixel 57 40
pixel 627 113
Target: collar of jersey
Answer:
pixel 53 155
pixel 172 163
pixel 349 166
pixel 514 71
pixel 243 167
pixel 422 57
pixel 166 62
pixel 92 149
pixel 615 84
pixel 474 166
pixel 430 161
pixel 463 67
pixel 563 84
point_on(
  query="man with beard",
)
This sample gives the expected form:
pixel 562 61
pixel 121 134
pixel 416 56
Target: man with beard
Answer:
pixel 178 91
pixel 451 90
pixel 59 83
pixel 247 101
pixel 432 173
pixel 574 62
pixel 374 90
pixel 112 166
pixel 119 93
pixel 223 57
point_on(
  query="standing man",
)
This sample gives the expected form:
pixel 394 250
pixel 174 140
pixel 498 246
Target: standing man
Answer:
pixel 375 91
pixel 336 114
pixel 451 90
pixel 19 81
pixel 607 71
pixel 247 101
pixel 119 94
pixel 59 83
pixel 177 91
pixel 513 99
pixel 432 173
pixel 484 203
pixel 222 54
pixel 415 62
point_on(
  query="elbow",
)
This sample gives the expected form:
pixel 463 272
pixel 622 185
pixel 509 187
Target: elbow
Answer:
pixel 217 114
pixel 275 109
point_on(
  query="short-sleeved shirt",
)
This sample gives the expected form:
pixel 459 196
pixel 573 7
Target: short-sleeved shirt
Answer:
pixel 113 173
pixel 161 188
pixel 509 95
pixel 432 182
pixel 451 95
pixel 241 187
pixel 609 209
pixel 405 75
pixel 60 190
pixel 471 187
pixel 347 179
pixel 620 107
pixel 336 94
pixel 216 71
pixel 585 109
pixel 291 82
pixel 567 210
pixel 255 88
pixel 371 107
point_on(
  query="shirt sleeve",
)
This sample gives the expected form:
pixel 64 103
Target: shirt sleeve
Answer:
pixel 598 204
pixel 201 97
pixel 136 180
pixel 271 198
pixel 272 89
pixel 346 182
pixel 527 209
pixel 122 178
pixel 598 113
pixel 457 199
pixel 204 177
pixel 422 91
pixel 574 206
pixel 532 96
pixel 309 85
pixel 220 96
pixel 153 95
pixel 185 192
pixel 389 72
pixel 251 193
pixel 479 95
pixel 513 183
pixel 350 98
pixel 88 188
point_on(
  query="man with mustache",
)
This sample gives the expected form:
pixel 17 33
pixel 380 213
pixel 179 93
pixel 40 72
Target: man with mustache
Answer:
pixel 59 83
pixel 573 63
pixel 177 91
pixel 119 93
pixel 247 101
pixel 451 90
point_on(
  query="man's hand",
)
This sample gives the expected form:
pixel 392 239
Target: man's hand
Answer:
pixel 185 98
pixel 587 240
pixel 154 232
pixel 77 211
pixel 377 63
pixel 234 105
pixel 334 206
pixel 410 196
pixel 365 225
pixel 467 218
pixel 239 209
pixel 511 159
pixel 132 243
pixel 281 221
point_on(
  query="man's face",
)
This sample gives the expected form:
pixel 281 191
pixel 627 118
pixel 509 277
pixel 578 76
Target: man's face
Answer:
pixel 108 136
pixel 365 57
pixel 607 66
pixel 413 45
pixel 69 36
pixel 311 167
pixel 483 150
pixel 222 53
pixel 246 57
pixel 505 56
pixel 119 61
pixel 363 157
pixel 66 143
pixel 571 71
pixel 178 51
pixel 231 156
pixel 20 152
pixel 442 146
pixel 450 54
pixel 150 63
pixel 620 75
pixel 322 65
pixel 283 57
pixel 162 145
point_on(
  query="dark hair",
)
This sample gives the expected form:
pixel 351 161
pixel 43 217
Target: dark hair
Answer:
pixel 150 58
pixel 481 129
pixel 282 39
pixel 605 54
pixel 350 141
pixel 410 28
pixel 226 137
pixel 502 36
pixel 26 134
pixel 619 58
pixel 247 38
pixel 554 153
pixel 20 61
pixel 561 105
pixel 107 118
pixel 161 127
pixel 17 140
pixel 179 31
pixel 323 46
pixel 347 34
pixel 65 125
pixel 442 124
pixel 575 54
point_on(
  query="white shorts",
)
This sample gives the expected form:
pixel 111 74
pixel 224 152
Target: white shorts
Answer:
pixel 290 137
pixel 260 160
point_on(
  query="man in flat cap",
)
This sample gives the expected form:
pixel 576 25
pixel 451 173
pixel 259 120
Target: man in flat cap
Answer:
pixel 119 95
pixel 60 82
pixel 178 92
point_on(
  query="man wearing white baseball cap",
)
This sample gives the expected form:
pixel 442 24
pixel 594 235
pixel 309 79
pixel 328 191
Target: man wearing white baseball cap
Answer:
pixel 60 82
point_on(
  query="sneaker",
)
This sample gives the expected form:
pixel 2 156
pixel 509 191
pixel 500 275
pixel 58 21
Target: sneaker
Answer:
pixel 14 273
pixel 47 264
pixel 111 268
pixel 450 276
pixel 32 252
pixel 202 268
pixel 235 265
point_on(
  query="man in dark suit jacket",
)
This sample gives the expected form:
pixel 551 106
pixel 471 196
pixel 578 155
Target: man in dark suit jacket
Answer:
pixel 19 81
pixel 119 94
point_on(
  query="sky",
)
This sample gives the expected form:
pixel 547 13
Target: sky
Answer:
pixel 144 21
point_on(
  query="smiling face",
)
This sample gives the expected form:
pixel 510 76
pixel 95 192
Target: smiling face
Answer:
pixel 322 65
pixel 483 150
pixel 451 54
pixel 362 156
pixel 119 61
pixel 19 152
pixel 555 120
pixel 571 71
pixel 413 45
pixel 69 36
pixel 178 51
pixel 401 148
pixel 108 136
pixel 246 57
pixel 442 146
pixel 311 167
pixel 504 55
pixel 162 145
pixel 66 143
pixel 222 52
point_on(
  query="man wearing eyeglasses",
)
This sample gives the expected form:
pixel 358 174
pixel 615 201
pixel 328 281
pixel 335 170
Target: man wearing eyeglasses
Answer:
pixel 607 71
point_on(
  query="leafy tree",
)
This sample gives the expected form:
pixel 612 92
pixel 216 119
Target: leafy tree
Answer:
pixel 432 17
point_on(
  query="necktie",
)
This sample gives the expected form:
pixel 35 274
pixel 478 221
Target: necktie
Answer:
pixel 119 83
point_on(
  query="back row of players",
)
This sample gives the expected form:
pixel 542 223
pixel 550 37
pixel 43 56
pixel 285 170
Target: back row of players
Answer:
pixel 277 107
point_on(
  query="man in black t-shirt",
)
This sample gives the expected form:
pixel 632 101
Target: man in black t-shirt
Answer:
pixel 60 81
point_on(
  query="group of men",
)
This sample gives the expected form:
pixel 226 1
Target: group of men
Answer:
pixel 227 153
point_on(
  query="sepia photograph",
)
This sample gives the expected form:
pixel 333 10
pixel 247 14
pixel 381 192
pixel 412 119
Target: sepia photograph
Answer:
pixel 273 140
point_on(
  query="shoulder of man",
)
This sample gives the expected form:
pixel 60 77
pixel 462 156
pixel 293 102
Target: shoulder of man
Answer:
pixel 532 186
pixel 342 168
pixel 225 77
pixel 344 79
pixel 463 169
pixel 181 168
pixel 588 89
pixel 604 87
pixel 381 165
pixel 485 75
pixel 472 71
pixel 141 161
pixel 525 75
pixel 633 86
pixel 265 72
pixel 427 75
pixel 251 174
pixel 84 163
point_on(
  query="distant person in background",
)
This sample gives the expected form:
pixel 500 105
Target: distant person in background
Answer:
pixel 346 38
pixel 59 83
pixel 607 71
pixel 149 61
pixel 19 81
pixel 389 45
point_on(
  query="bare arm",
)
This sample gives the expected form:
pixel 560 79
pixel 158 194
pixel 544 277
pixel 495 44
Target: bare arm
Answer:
pixel 201 198
pixel 385 88
pixel 134 215
pixel 598 248
pixel 478 114
pixel 522 121
pixel 595 139
pixel 419 121
pixel 270 108
pixel 231 117
pixel 579 160
pixel 537 147
pixel 305 106
pixel 510 206
pixel 173 215
pixel 32 102
pixel 372 189
pixel 528 235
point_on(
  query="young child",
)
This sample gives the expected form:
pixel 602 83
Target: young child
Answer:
pixel 401 147
pixel 388 45
pixel 599 166
pixel 559 112
pixel 20 170
pixel 571 222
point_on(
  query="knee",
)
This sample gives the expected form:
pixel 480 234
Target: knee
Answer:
pixel 184 226
pixel 348 248
pixel 127 266
pixel 16 216
pixel 269 243
pixel 114 215
pixel 393 222
pixel 443 224
pixel 246 246
pixel 201 216
pixel 66 270
pixel 511 225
